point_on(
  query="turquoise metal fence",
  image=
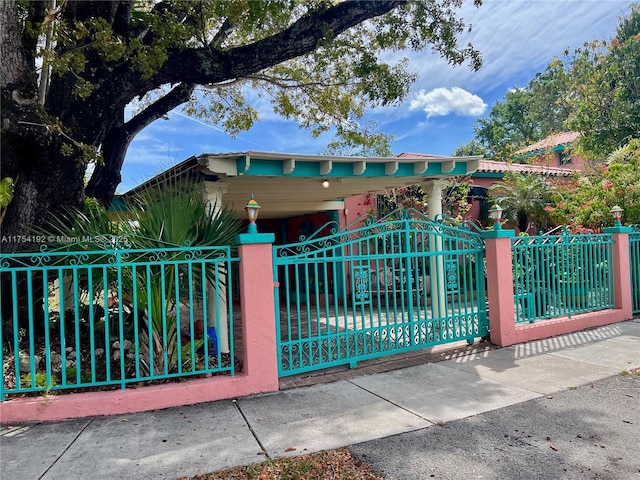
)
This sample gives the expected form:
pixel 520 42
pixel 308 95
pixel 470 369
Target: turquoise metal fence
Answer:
pixel 561 275
pixel 114 316
pixel 634 258
pixel 381 287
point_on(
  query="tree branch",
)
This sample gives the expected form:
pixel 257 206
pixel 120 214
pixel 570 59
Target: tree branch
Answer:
pixel 222 34
pixel 106 176
pixel 202 66
pixel 160 107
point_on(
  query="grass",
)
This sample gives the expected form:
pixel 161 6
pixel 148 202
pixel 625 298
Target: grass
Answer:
pixel 336 464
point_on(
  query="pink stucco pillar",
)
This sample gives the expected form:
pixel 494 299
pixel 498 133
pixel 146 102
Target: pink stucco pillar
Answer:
pixel 259 367
pixel 500 293
pixel 621 269
pixel 258 309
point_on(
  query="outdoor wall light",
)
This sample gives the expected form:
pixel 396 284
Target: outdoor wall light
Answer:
pixel 326 184
pixel 616 213
pixel 495 214
pixel 252 209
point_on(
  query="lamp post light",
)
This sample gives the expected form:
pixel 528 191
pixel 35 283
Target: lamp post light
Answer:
pixel 252 209
pixel 616 213
pixel 495 214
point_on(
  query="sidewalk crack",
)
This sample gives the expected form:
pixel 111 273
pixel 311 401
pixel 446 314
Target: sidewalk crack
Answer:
pixel 66 449
pixel 393 403
pixel 255 436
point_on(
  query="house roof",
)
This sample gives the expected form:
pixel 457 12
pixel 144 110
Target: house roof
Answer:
pixel 288 184
pixel 557 140
pixel 492 166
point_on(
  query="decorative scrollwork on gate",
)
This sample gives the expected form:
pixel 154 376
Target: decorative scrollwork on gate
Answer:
pixel 362 285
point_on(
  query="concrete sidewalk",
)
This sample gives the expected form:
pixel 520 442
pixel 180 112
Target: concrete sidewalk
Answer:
pixel 207 437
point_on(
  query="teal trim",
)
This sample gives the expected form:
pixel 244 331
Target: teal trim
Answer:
pixel 487 175
pixel 249 238
pixel 377 288
pixel 242 165
pixel 118 205
pixel 542 151
pixel 499 233
pixel 619 229
pixel 121 321
pixel 274 168
pixel 562 275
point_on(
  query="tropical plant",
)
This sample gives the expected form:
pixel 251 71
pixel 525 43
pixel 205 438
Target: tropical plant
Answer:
pixel 586 201
pixel 172 216
pixel 6 195
pixel 524 199
pixel 455 199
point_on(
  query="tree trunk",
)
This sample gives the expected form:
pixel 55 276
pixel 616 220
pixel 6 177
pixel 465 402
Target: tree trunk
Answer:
pixel 106 176
pixel 43 185
pixel 523 222
pixel 40 191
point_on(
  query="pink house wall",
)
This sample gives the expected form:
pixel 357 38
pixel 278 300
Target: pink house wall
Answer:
pixel 357 206
pixel 552 159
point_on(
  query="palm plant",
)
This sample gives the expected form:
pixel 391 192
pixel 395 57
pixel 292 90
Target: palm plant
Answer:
pixel 523 198
pixel 158 221
pixel 175 215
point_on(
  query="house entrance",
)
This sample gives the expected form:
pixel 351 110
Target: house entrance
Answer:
pixel 377 287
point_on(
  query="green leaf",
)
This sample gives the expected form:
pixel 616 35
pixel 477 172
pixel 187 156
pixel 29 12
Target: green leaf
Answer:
pixel 6 191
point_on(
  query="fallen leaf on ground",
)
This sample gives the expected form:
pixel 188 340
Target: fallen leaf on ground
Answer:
pixel 328 465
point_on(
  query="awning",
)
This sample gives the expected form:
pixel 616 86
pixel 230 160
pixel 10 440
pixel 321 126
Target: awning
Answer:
pixel 293 184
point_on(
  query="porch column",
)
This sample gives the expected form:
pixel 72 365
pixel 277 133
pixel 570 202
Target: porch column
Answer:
pixel 217 305
pixel 434 190
pixel 66 292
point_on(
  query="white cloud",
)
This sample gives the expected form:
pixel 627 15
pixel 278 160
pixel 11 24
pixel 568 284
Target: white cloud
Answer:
pixel 517 39
pixel 444 101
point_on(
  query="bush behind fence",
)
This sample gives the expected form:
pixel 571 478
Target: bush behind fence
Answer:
pixel 113 317
pixel 562 275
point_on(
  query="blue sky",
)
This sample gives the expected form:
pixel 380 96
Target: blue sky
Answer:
pixel 517 39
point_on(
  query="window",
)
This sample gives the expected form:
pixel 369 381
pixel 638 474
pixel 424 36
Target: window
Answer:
pixel 564 159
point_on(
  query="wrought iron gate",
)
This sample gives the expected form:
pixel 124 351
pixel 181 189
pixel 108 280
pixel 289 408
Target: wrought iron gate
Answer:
pixel 400 283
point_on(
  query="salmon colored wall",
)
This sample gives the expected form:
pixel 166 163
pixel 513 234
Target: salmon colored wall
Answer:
pixel 357 206
pixel 503 329
pixel 553 160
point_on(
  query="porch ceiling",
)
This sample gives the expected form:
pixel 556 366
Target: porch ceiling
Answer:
pixel 291 184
